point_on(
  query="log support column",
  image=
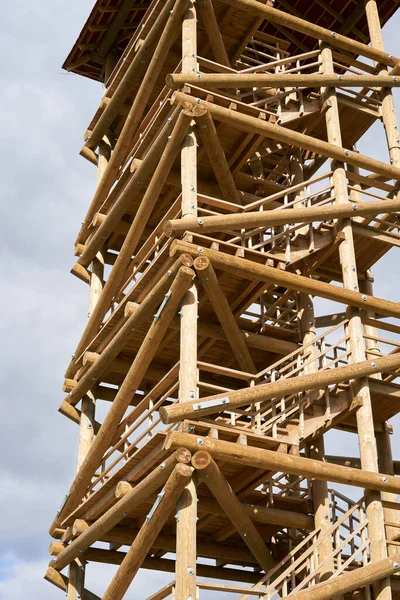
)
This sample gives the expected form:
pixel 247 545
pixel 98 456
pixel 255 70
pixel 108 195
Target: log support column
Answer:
pixel 365 423
pixel 186 514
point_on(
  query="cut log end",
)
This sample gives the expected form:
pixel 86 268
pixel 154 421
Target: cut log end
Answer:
pixel 201 459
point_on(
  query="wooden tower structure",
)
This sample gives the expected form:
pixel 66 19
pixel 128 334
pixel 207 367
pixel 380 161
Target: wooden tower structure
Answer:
pixel 232 203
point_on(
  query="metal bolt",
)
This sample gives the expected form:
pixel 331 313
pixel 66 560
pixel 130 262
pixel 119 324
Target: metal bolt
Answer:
pixel 193 69
pixel 191 395
pixel 354 206
pixel 169 138
pixel 192 428
pixel 171 12
pixel 333 33
pixel 200 221
pixel 198 75
pixel 384 479
pixel 162 466
pixel 353 269
pixel 239 355
pixel 309 305
pixel 346 152
pixel 373 365
pixel 394 78
pixel 192 54
pixel 395 565
pixel 326 517
pixel 200 442
pixel 198 100
pixel 190 571
pixel 355 287
pixel 364 297
pixel 192 188
pixel 192 206
pixel 169 120
pixel 339 77
pixel 311 323
pixel 70 395
pixel 390 56
pixel 244 534
pixel 89 426
pixel 200 249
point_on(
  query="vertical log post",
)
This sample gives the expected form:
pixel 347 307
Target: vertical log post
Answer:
pixel 364 417
pixel 187 505
pixel 388 108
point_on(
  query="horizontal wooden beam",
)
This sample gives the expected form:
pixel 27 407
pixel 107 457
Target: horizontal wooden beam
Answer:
pixel 277 389
pixel 351 580
pixel 279 133
pixel 271 218
pixel 167 565
pixel 281 18
pixel 205 548
pixel 247 269
pixel 270 460
pixel 282 80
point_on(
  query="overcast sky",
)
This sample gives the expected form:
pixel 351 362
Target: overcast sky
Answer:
pixel 45 191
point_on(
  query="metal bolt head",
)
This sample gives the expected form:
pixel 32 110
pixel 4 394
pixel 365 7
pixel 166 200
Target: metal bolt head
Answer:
pixel 200 221
pixel 198 75
pixel 169 138
pixel 200 249
pixel 326 517
pixel 190 571
pixel 373 365
pixel 395 565
pixel 200 442
pixel 354 206
pixel 347 152
pixel 198 100
pixel 169 120
pixel 333 33
pixel 162 466
pixel 244 534
pixel 192 188
pixel 191 395
pixel 192 428
pixel 384 479
pixel 364 297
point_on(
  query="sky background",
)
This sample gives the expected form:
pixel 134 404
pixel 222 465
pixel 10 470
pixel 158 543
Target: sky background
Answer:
pixel 45 188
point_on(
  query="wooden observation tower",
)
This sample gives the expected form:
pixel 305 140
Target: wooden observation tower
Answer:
pixel 228 252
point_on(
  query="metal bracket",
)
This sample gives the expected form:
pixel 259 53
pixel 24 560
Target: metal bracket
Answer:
pixel 162 305
pixel 178 510
pixel 156 504
pixel 211 403
pixel 63 503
